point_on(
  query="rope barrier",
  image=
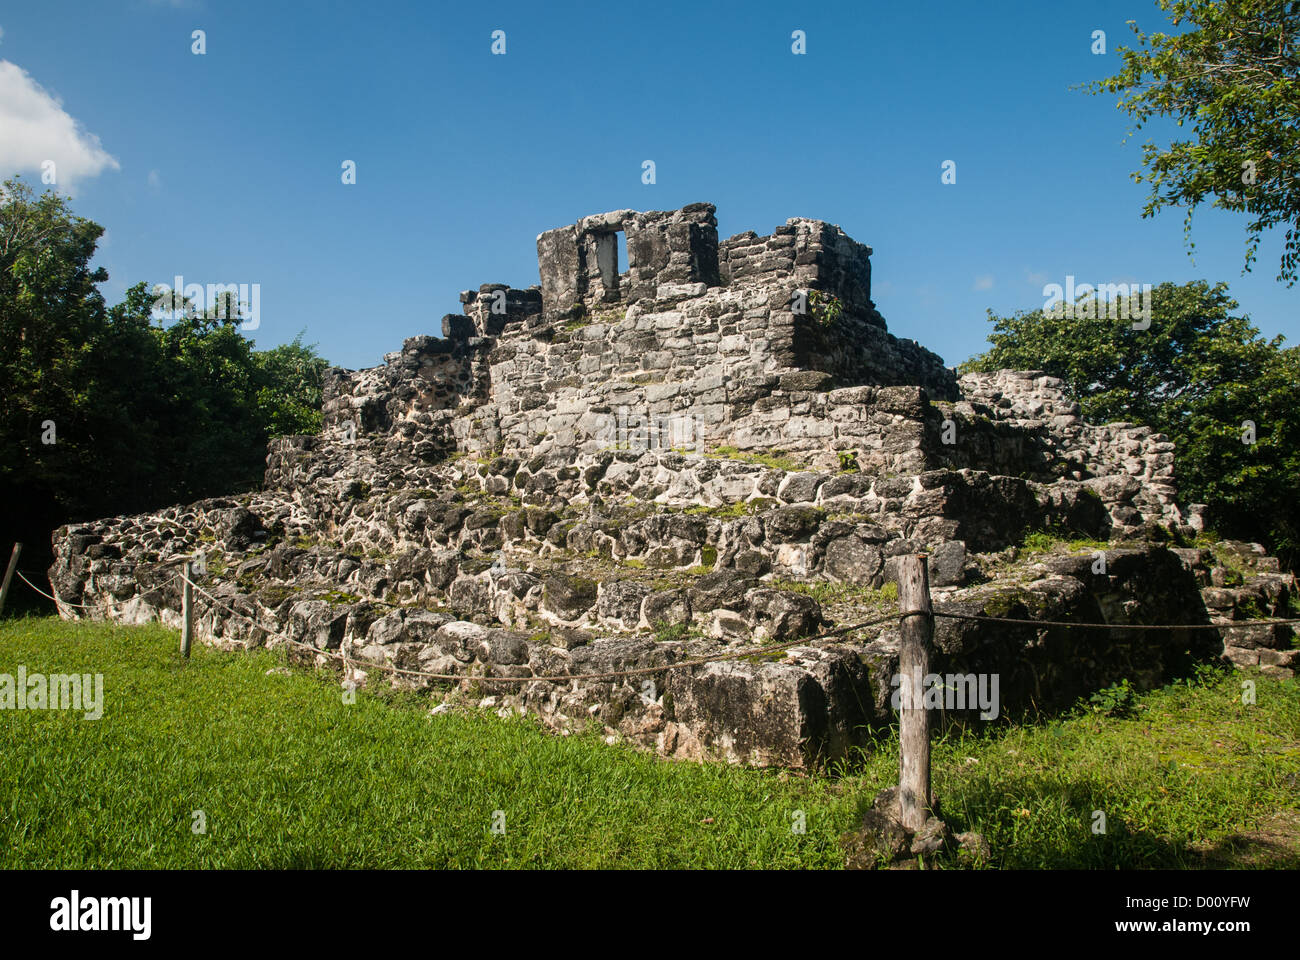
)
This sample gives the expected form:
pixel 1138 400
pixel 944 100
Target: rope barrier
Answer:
pixel 90 606
pixel 1116 626
pixel 350 663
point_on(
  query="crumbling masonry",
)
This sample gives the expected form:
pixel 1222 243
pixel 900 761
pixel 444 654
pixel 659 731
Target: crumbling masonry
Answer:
pixel 714 444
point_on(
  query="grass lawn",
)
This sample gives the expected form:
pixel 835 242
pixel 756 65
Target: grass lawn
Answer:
pixel 288 775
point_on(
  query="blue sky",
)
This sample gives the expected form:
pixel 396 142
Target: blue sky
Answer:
pixel 226 167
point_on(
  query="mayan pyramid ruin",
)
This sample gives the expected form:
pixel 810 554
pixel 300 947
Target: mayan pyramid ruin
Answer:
pixel 715 445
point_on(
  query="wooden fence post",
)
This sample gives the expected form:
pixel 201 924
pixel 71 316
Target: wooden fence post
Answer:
pixel 9 574
pixel 187 612
pixel 916 629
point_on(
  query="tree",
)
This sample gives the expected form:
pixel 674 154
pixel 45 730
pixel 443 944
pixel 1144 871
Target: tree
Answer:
pixel 1199 374
pixel 289 388
pixel 1233 77
pixel 103 410
pixel 50 314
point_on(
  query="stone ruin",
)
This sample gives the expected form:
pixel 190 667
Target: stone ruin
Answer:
pixel 716 444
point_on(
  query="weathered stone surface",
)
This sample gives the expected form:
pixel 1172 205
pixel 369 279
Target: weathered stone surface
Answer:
pixel 948 564
pixel 776 615
pixel 852 559
pixel 319 623
pixel 666 608
pixel 568 597
pixel 667 442
pixel 722 589
pixel 883 842
pixel 973 847
pixel 621 600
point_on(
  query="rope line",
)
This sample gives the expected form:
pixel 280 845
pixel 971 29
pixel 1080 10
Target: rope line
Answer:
pixel 1117 626
pixel 352 664
pixel 554 678
pixel 89 606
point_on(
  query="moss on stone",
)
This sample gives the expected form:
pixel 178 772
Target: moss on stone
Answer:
pixel 1001 604
pixel 216 563
pixel 828 592
pixel 775 459
pixel 731 511
pixel 272 595
pixel 1059 541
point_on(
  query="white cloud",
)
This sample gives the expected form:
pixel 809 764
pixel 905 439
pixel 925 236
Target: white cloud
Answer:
pixel 34 129
pixel 155 180
pixel 984 283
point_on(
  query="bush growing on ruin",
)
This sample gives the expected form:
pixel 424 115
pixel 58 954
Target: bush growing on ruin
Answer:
pixel 1199 373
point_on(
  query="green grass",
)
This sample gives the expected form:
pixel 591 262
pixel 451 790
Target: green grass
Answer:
pixel 288 775
pixel 826 591
pixel 1047 541
pixel 666 632
pixel 1187 777
pixel 775 459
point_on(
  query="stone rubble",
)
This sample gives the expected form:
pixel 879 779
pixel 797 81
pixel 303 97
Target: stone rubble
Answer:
pixel 622 469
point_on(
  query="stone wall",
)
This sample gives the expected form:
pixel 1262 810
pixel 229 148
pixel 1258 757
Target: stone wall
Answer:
pixel 1028 416
pixel 698 342
pixel 656 358
pixel 632 465
pixel 394 577
pixel 579 263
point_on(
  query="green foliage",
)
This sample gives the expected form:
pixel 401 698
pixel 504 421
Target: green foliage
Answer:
pixel 827 592
pixel 1117 700
pixel 1039 542
pixel 1251 608
pixel 144 414
pixel 666 632
pixel 826 307
pixel 1232 75
pixel 1207 675
pixel 849 461
pixel 289 388
pixel 1046 541
pixel 1186 784
pixel 1197 374
pixel 775 459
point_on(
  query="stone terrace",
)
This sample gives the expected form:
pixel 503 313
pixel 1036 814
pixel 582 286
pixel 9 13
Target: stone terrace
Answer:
pixel 716 444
